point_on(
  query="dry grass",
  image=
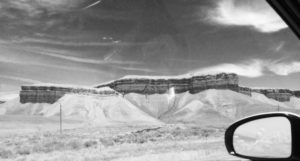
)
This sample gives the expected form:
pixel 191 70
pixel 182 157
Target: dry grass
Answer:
pixel 170 142
pixel 16 146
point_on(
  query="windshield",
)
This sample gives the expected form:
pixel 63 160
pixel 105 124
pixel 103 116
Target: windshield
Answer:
pixel 139 79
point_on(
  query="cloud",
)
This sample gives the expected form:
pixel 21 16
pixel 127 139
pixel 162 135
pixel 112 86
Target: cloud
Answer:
pixel 34 15
pixel 33 8
pixel 65 43
pixel 20 79
pixel 61 67
pixel 134 69
pixel 285 68
pixel 60 55
pixel 254 13
pixel 253 68
pixel 73 68
pixel 64 55
pixel 58 42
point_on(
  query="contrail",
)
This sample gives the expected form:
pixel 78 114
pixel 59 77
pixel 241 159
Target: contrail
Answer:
pixel 108 57
pixel 21 79
pixel 93 4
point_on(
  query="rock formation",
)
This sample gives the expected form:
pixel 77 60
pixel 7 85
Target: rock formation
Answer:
pixel 282 95
pixel 195 84
pixel 51 93
pixel 148 85
pixel 160 85
pixel 245 91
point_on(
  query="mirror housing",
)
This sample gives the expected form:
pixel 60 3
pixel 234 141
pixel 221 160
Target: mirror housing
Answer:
pixel 295 135
pixel 289 11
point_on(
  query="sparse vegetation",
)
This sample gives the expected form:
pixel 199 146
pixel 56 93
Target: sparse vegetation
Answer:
pixel 164 134
pixel 26 145
pixel 6 153
pixel 137 141
pixel 90 143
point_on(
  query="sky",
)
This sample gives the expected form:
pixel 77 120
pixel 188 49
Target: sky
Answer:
pixel 87 42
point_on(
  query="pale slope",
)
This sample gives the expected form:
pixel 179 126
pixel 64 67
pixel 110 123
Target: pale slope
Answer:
pixel 294 103
pixel 155 105
pixel 94 109
pixel 207 107
pixel 8 96
pixel 216 107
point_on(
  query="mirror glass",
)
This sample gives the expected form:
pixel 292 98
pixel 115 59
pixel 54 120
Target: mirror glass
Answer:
pixel 264 138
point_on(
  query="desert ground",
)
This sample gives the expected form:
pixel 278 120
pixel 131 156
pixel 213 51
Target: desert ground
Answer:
pixel 135 128
pixel 34 138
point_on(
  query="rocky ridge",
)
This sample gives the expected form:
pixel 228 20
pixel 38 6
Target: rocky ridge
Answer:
pixel 281 95
pixel 44 93
pixel 161 85
pixel 148 85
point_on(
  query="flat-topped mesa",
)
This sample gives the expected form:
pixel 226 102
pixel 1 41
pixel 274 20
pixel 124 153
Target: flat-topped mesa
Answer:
pixel 245 91
pixel 160 85
pixel 52 93
pixel 282 95
pixel 297 93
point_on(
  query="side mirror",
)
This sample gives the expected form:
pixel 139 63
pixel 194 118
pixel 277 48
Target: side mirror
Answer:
pixel 270 136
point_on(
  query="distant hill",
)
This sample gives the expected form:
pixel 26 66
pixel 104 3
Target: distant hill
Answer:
pixel 210 107
pixel 89 108
pixel 202 100
pixel 151 85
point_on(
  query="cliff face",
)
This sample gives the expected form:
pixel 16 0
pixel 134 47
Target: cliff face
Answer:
pixel 50 94
pixel 148 85
pixel 297 93
pixel 282 95
pixel 245 91
pixel 193 85
pixel 219 81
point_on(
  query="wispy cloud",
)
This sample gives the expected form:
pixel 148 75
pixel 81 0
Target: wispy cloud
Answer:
pixel 61 67
pixel 35 7
pixel 20 79
pixel 110 63
pixel 253 68
pixel 31 12
pixel 55 54
pixel 255 13
pixel 29 40
pixel 285 68
pixel 139 69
